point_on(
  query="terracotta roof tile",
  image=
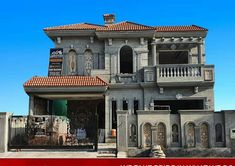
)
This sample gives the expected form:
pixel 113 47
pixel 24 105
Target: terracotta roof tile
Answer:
pixel 179 28
pixel 125 26
pixel 64 81
pixel 81 26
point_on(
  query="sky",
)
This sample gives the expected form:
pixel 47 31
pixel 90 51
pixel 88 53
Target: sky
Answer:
pixel 24 47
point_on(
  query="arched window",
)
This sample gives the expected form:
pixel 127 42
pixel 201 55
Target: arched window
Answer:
pixel 72 62
pixel 190 135
pixel 218 132
pixel 161 135
pixel 88 64
pixel 175 133
pixel 147 135
pixel 126 60
pixel 204 135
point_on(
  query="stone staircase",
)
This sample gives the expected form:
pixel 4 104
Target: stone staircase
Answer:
pixel 107 150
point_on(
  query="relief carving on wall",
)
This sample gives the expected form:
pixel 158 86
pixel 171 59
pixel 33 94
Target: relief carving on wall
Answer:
pixel 190 135
pixel 147 135
pixel 161 135
pixel 88 65
pixel 72 61
pixel 204 135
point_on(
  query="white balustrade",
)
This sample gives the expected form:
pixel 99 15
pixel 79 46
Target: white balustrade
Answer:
pixel 179 71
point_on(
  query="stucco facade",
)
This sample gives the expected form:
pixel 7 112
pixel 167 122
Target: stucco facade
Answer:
pixel 159 88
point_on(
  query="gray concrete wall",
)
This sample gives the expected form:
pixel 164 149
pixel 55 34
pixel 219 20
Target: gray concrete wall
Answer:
pixel 4 129
pixel 229 117
pixel 219 118
pixel 154 118
pixel 197 117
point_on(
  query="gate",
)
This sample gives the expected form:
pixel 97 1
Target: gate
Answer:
pixel 50 131
pixel 190 135
pixel 204 135
pixel 161 135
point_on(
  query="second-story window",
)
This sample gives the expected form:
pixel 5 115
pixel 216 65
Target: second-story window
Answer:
pixel 126 60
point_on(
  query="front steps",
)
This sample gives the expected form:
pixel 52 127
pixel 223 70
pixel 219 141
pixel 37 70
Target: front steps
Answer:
pixel 107 150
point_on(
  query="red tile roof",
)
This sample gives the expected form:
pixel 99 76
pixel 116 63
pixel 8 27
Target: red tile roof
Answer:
pixel 81 26
pixel 125 26
pixel 64 81
pixel 179 28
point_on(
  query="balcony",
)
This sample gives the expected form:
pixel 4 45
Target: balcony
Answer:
pixel 178 74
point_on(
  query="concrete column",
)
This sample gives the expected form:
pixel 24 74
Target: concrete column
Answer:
pixel 31 105
pixel 134 63
pixel 154 135
pixel 122 131
pixel 4 129
pixel 157 54
pixel 154 54
pixel 197 136
pixel 199 48
pixel 108 122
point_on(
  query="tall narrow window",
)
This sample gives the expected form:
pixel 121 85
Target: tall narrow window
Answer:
pixel 88 63
pixel 125 104
pixel 126 60
pixel 114 114
pixel 218 132
pixel 72 63
pixel 136 106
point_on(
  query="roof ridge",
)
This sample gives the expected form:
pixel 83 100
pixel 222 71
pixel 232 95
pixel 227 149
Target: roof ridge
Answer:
pixel 67 25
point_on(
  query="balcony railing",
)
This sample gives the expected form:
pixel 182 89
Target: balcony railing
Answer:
pixel 179 73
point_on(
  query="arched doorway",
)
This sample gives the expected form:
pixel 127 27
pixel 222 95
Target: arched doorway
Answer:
pixel 190 135
pixel 126 59
pixel 147 135
pixel 88 64
pixel 161 135
pixel 72 62
pixel 204 135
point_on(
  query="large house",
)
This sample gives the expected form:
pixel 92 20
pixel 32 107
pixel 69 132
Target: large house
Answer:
pixel 129 83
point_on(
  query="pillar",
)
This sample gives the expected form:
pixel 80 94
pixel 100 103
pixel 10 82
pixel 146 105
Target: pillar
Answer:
pixel 4 129
pixel 31 105
pixel 108 121
pixel 197 136
pixel 154 135
pixel 199 48
pixel 154 54
pixel 122 131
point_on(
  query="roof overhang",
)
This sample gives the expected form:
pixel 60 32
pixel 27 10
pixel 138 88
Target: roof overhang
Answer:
pixel 69 93
pixel 181 34
pixel 64 33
